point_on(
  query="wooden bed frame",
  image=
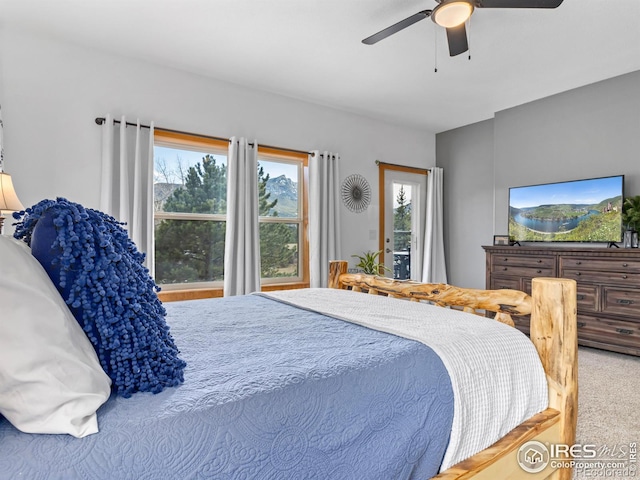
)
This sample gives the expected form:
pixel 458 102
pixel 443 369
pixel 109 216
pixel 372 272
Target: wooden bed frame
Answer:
pixel 552 306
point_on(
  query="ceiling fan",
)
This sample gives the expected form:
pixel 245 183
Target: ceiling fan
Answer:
pixel 452 15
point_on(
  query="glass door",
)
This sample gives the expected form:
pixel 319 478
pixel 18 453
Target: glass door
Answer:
pixel 404 218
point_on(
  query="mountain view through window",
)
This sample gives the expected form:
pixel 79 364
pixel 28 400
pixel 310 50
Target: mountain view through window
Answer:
pixel 190 215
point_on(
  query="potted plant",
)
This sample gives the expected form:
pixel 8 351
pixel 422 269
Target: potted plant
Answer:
pixel 631 220
pixel 369 263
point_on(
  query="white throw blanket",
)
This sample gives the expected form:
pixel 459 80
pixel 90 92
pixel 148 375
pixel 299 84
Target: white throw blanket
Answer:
pixel 497 378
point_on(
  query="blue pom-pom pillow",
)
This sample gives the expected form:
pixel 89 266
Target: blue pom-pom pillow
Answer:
pixel 100 274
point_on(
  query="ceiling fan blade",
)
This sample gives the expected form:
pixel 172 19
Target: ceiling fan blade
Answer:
pixel 457 38
pixel 401 25
pixel 518 3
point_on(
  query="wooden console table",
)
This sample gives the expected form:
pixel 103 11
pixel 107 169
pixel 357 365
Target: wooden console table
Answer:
pixel 608 288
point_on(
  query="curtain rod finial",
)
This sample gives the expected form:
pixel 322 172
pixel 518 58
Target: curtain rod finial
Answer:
pixel 377 162
pixel 99 120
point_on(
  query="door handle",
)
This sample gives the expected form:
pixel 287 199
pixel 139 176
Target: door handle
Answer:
pixel 388 250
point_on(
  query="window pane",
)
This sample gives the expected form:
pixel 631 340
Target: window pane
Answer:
pixel 189 181
pixel 279 249
pixel 402 231
pixel 189 251
pixel 278 183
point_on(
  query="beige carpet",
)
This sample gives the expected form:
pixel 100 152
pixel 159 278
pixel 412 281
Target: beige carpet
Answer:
pixel 609 397
pixel 609 400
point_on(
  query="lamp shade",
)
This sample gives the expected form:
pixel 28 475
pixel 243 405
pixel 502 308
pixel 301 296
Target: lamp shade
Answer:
pixel 451 13
pixel 8 199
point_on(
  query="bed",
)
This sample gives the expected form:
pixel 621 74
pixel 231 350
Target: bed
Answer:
pixel 553 308
pixel 310 391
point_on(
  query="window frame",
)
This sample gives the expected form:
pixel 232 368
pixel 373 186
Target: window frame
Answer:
pixel 196 290
pixel 271 154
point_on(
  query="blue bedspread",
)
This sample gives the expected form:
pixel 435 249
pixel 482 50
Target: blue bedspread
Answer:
pixel 270 392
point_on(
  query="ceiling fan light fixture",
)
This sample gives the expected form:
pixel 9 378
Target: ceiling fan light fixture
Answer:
pixel 451 13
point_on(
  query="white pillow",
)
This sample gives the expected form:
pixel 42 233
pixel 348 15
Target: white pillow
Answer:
pixel 50 378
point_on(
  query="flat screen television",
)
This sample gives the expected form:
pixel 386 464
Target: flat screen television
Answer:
pixel 587 210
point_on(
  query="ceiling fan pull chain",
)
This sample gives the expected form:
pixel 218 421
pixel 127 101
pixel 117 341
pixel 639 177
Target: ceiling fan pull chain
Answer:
pixel 435 51
pixel 469 37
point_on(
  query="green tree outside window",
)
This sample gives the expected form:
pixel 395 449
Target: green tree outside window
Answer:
pixel 188 250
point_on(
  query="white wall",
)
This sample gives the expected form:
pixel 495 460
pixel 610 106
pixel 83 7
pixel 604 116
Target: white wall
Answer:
pixel 51 92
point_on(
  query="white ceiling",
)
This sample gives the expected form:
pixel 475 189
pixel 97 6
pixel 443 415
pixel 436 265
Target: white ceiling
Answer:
pixel 312 50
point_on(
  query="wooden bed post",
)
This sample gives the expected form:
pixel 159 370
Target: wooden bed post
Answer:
pixel 336 268
pixel 554 333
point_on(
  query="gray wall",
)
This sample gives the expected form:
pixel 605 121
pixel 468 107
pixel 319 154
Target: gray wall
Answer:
pixel 466 155
pixel 588 132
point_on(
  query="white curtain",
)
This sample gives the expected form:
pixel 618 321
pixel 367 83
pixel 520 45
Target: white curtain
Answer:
pixel 242 240
pixel 324 218
pixel 127 180
pixel 434 268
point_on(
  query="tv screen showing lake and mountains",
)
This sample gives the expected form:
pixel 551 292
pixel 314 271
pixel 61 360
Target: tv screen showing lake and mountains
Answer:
pixel 577 211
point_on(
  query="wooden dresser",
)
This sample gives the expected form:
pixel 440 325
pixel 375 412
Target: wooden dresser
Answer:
pixel 608 288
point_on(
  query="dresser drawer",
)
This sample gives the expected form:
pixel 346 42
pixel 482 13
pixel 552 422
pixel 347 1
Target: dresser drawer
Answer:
pixel 520 271
pixel 608 331
pixel 619 301
pixel 499 283
pixel 588 298
pixel 600 264
pixel 522 261
pixel 522 323
pixel 604 277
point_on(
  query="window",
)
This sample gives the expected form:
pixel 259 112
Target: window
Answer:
pixel 280 195
pixel 403 229
pixel 190 212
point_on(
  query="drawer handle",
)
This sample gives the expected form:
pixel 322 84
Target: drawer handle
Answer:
pixel 624 331
pixel 582 324
pixel 505 269
pixel 505 259
pixel 504 288
pixel 538 271
pixel 580 297
pixel 578 274
pixel 625 276
pixel 625 264
pixel 625 302
pixel 578 263
pixel 539 261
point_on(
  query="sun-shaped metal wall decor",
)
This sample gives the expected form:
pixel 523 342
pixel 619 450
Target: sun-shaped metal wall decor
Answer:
pixel 356 193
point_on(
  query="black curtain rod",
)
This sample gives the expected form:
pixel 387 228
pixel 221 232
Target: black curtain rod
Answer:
pixel 101 120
